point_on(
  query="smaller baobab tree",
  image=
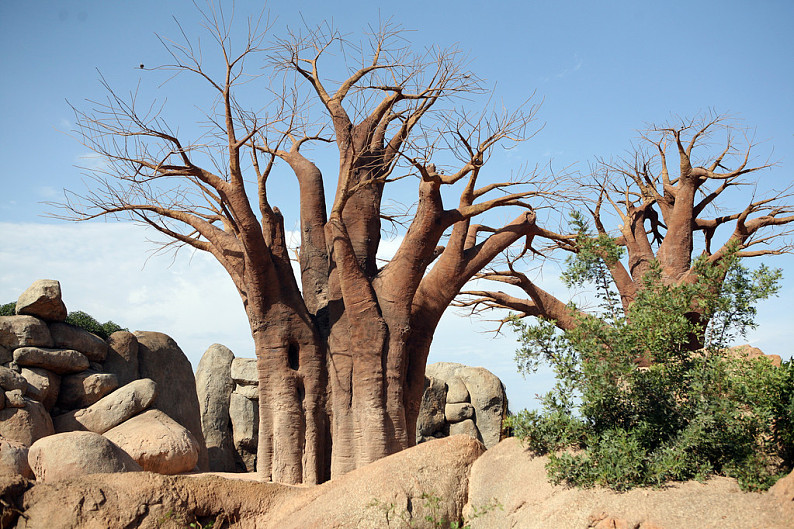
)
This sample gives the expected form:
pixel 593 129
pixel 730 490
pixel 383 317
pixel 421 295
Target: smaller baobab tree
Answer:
pixel 672 296
pixel 674 212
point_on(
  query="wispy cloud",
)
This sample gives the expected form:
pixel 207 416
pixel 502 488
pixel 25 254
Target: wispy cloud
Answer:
pixel 577 65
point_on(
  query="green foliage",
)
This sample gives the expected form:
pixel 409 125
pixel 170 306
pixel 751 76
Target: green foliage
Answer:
pixel 695 411
pixel 77 318
pixel 89 323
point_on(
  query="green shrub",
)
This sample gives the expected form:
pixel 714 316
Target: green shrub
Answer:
pixel 692 413
pixel 86 321
pixel 77 318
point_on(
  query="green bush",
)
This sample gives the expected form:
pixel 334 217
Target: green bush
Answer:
pixel 77 318
pixel 692 413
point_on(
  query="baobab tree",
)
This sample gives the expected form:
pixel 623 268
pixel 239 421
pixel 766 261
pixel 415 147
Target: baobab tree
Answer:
pixel 341 350
pixel 670 201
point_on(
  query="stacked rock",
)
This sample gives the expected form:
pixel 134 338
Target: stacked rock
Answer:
pixel 459 399
pixel 73 403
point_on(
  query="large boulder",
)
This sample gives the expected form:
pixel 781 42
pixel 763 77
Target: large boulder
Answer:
pixel 157 443
pixel 111 410
pixel 750 352
pixel 486 395
pixel 43 385
pixel 67 336
pixel 60 361
pixel 161 359
pixel 23 331
pixel 214 388
pixel 122 357
pixel 43 300
pixel 27 424
pixel 85 388
pixel 72 454
pixel 782 493
pixel 14 458
pixel 511 485
pixel 404 484
pixel 244 415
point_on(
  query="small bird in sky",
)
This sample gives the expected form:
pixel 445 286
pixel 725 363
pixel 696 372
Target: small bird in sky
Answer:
pixel 141 66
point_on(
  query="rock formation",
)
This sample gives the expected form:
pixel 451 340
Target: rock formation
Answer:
pixel 55 377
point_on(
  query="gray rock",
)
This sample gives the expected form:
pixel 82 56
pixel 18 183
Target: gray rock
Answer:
pixel 161 359
pixel 456 391
pixel 487 396
pixel 43 300
pixel 214 387
pixel 60 361
pixel 26 425
pixel 122 357
pixel 249 392
pixel 14 458
pixel 21 331
pixel 431 413
pixel 72 454
pixel 67 336
pixel 110 410
pixel 244 371
pixel 244 414
pixel 15 398
pixel 459 411
pixel 5 355
pixel 10 379
pixel 43 385
pixel 466 427
pixel 85 388
pixel 157 443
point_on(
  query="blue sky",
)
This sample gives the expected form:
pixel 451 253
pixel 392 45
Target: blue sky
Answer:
pixel 601 69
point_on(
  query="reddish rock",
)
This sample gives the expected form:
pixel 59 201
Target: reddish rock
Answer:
pixel 27 424
pixel 72 454
pixel 14 458
pixel 43 300
pixel 157 443
pixel 67 336
pixel 122 357
pixel 60 361
pixel 23 331
pixel 43 385
pixel 110 410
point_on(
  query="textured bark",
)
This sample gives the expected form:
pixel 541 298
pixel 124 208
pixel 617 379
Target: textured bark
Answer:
pixel 341 357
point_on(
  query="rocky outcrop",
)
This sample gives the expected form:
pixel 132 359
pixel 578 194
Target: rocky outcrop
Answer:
pixel 73 454
pixel 160 359
pixel 214 386
pixel 43 300
pixel 57 376
pixel 404 485
pixel 157 443
pixel 511 485
pixel 475 403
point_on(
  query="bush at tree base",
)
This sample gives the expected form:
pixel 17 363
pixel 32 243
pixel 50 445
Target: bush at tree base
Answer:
pixel 692 413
